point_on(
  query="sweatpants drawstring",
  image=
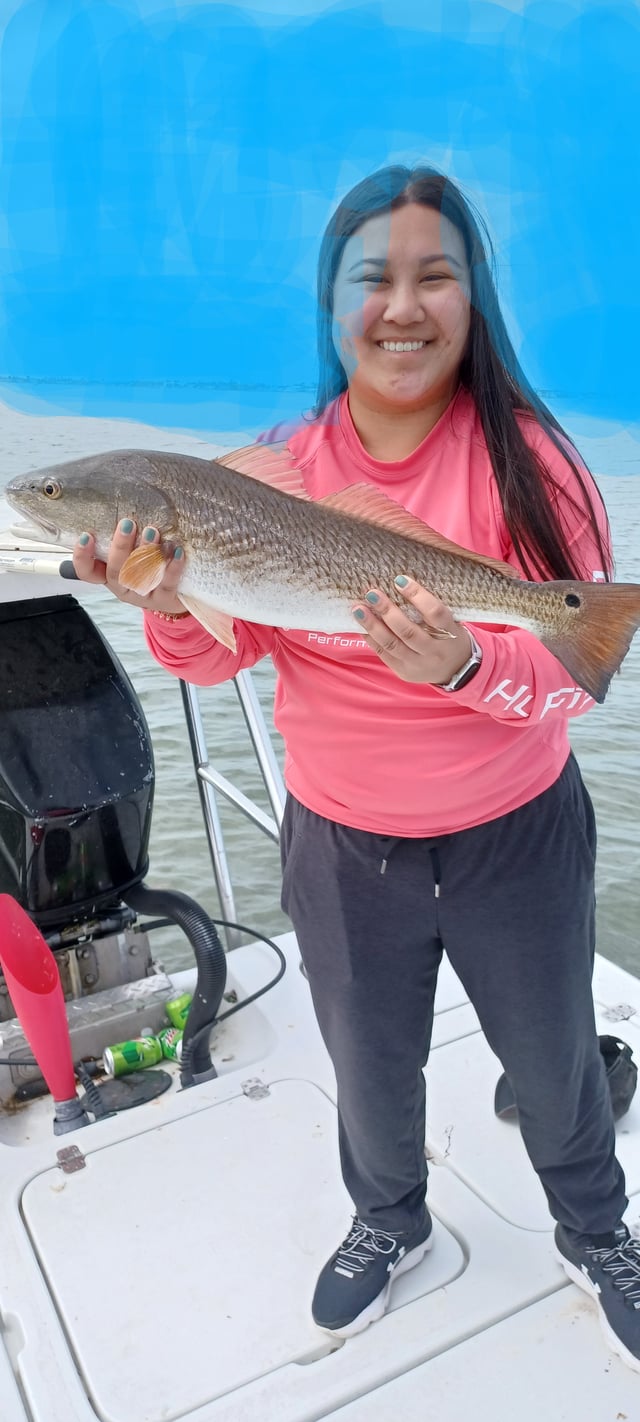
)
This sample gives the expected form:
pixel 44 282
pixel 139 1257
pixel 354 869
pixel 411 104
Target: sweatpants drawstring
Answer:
pixel 435 861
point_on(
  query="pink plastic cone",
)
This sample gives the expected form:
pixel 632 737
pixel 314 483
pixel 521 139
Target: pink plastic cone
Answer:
pixel 34 983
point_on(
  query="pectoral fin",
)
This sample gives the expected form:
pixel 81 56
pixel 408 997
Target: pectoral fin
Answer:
pixel 144 569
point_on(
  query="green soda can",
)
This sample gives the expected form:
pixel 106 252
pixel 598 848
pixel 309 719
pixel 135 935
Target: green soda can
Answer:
pixel 178 1009
pixel 132 1056
pixel 170 1040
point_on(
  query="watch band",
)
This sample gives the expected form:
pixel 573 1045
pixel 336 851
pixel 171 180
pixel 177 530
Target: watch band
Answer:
pixel 467 671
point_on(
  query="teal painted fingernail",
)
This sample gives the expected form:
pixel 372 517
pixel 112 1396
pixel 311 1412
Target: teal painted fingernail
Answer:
pixel 83 540
pixel 126 525
pixel 149 535
pixel 372 597
pixel 178 553
pixel 401 581
pixel 360 613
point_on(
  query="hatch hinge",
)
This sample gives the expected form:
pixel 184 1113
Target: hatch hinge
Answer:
pixel 620 1013
pixel 255 1089
pixel 70 1159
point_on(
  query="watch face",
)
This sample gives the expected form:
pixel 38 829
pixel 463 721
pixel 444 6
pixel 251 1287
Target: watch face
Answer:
pixel 466 672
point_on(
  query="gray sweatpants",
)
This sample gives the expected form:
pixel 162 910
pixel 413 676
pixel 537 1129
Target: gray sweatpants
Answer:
pixel 512 904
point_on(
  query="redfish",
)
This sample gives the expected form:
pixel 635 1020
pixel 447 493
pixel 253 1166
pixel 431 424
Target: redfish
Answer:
pixel 257 548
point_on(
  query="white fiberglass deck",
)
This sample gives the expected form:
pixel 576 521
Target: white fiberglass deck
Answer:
pixel 170 1278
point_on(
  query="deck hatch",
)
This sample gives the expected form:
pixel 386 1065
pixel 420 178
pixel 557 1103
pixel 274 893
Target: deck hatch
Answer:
pixel 209 1235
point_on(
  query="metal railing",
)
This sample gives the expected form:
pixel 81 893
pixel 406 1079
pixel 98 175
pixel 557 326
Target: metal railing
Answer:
pixel 210 781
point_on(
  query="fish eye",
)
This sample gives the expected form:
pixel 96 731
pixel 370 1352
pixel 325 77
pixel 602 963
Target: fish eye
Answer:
pixel 572 600
pixel 52 489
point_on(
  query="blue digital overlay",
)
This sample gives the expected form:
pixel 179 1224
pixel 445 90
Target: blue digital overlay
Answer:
pixel 167 169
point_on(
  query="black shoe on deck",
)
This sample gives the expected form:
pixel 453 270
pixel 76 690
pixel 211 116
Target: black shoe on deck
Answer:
pixel 607 1266
pixel 353 1288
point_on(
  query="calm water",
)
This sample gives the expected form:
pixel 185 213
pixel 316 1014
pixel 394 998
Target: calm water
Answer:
pixel 606 740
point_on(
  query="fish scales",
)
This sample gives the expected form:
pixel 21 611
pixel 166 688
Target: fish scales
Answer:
pixel 335 554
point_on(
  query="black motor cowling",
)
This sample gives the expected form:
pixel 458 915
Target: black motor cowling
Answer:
pixel 76 765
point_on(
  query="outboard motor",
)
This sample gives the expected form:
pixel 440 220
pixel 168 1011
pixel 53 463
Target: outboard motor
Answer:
pixel 76 794
pixel 76 766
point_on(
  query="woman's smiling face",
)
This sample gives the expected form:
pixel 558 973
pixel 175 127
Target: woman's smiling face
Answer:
pixel 401 309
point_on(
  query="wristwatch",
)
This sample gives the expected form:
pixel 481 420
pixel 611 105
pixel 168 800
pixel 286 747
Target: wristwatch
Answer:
pixel 467 671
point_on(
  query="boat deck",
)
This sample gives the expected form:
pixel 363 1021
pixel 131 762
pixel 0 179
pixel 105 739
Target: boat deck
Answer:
pixel 170 1276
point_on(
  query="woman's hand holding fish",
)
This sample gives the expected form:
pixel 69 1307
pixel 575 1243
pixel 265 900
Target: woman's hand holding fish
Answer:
pixel 430 650
pixel 92 570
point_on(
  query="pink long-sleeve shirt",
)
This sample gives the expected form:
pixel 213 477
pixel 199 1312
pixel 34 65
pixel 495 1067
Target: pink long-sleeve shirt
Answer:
pixel 364 748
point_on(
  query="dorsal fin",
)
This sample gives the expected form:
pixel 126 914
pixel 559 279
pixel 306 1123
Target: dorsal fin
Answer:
pixel 369 505
pixel 269 463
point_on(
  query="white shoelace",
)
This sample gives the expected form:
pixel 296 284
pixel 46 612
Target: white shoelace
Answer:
pixel 623 1264
pixel 361 1246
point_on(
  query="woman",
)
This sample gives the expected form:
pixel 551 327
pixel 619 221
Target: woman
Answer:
pixel 433 802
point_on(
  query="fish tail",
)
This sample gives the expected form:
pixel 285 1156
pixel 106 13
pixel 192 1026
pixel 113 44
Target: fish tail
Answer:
pixel 596 642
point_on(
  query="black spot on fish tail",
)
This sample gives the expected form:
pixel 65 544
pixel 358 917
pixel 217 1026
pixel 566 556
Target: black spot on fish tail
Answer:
pixel 593 645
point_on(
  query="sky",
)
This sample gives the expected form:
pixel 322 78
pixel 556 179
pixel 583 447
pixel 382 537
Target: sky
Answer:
pixel 167 169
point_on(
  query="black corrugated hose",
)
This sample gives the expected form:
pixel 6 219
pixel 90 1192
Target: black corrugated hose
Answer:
pixel 196 1064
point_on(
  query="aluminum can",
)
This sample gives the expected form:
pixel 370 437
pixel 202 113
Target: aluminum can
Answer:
pixel 140 1052
pixel 170 1040
pixel 177 1009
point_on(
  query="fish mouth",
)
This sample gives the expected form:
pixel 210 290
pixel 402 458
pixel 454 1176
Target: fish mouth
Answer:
pixel 40 525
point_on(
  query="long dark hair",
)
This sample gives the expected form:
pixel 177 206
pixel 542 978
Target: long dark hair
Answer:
pixel 489 371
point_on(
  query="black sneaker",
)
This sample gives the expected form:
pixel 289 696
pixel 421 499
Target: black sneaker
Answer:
pixel 353 1288
pixel 607 1266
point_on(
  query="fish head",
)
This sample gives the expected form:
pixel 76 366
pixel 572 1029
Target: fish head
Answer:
pixel 93 494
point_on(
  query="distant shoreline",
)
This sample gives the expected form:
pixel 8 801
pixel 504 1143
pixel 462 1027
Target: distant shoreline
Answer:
pixel 608 446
